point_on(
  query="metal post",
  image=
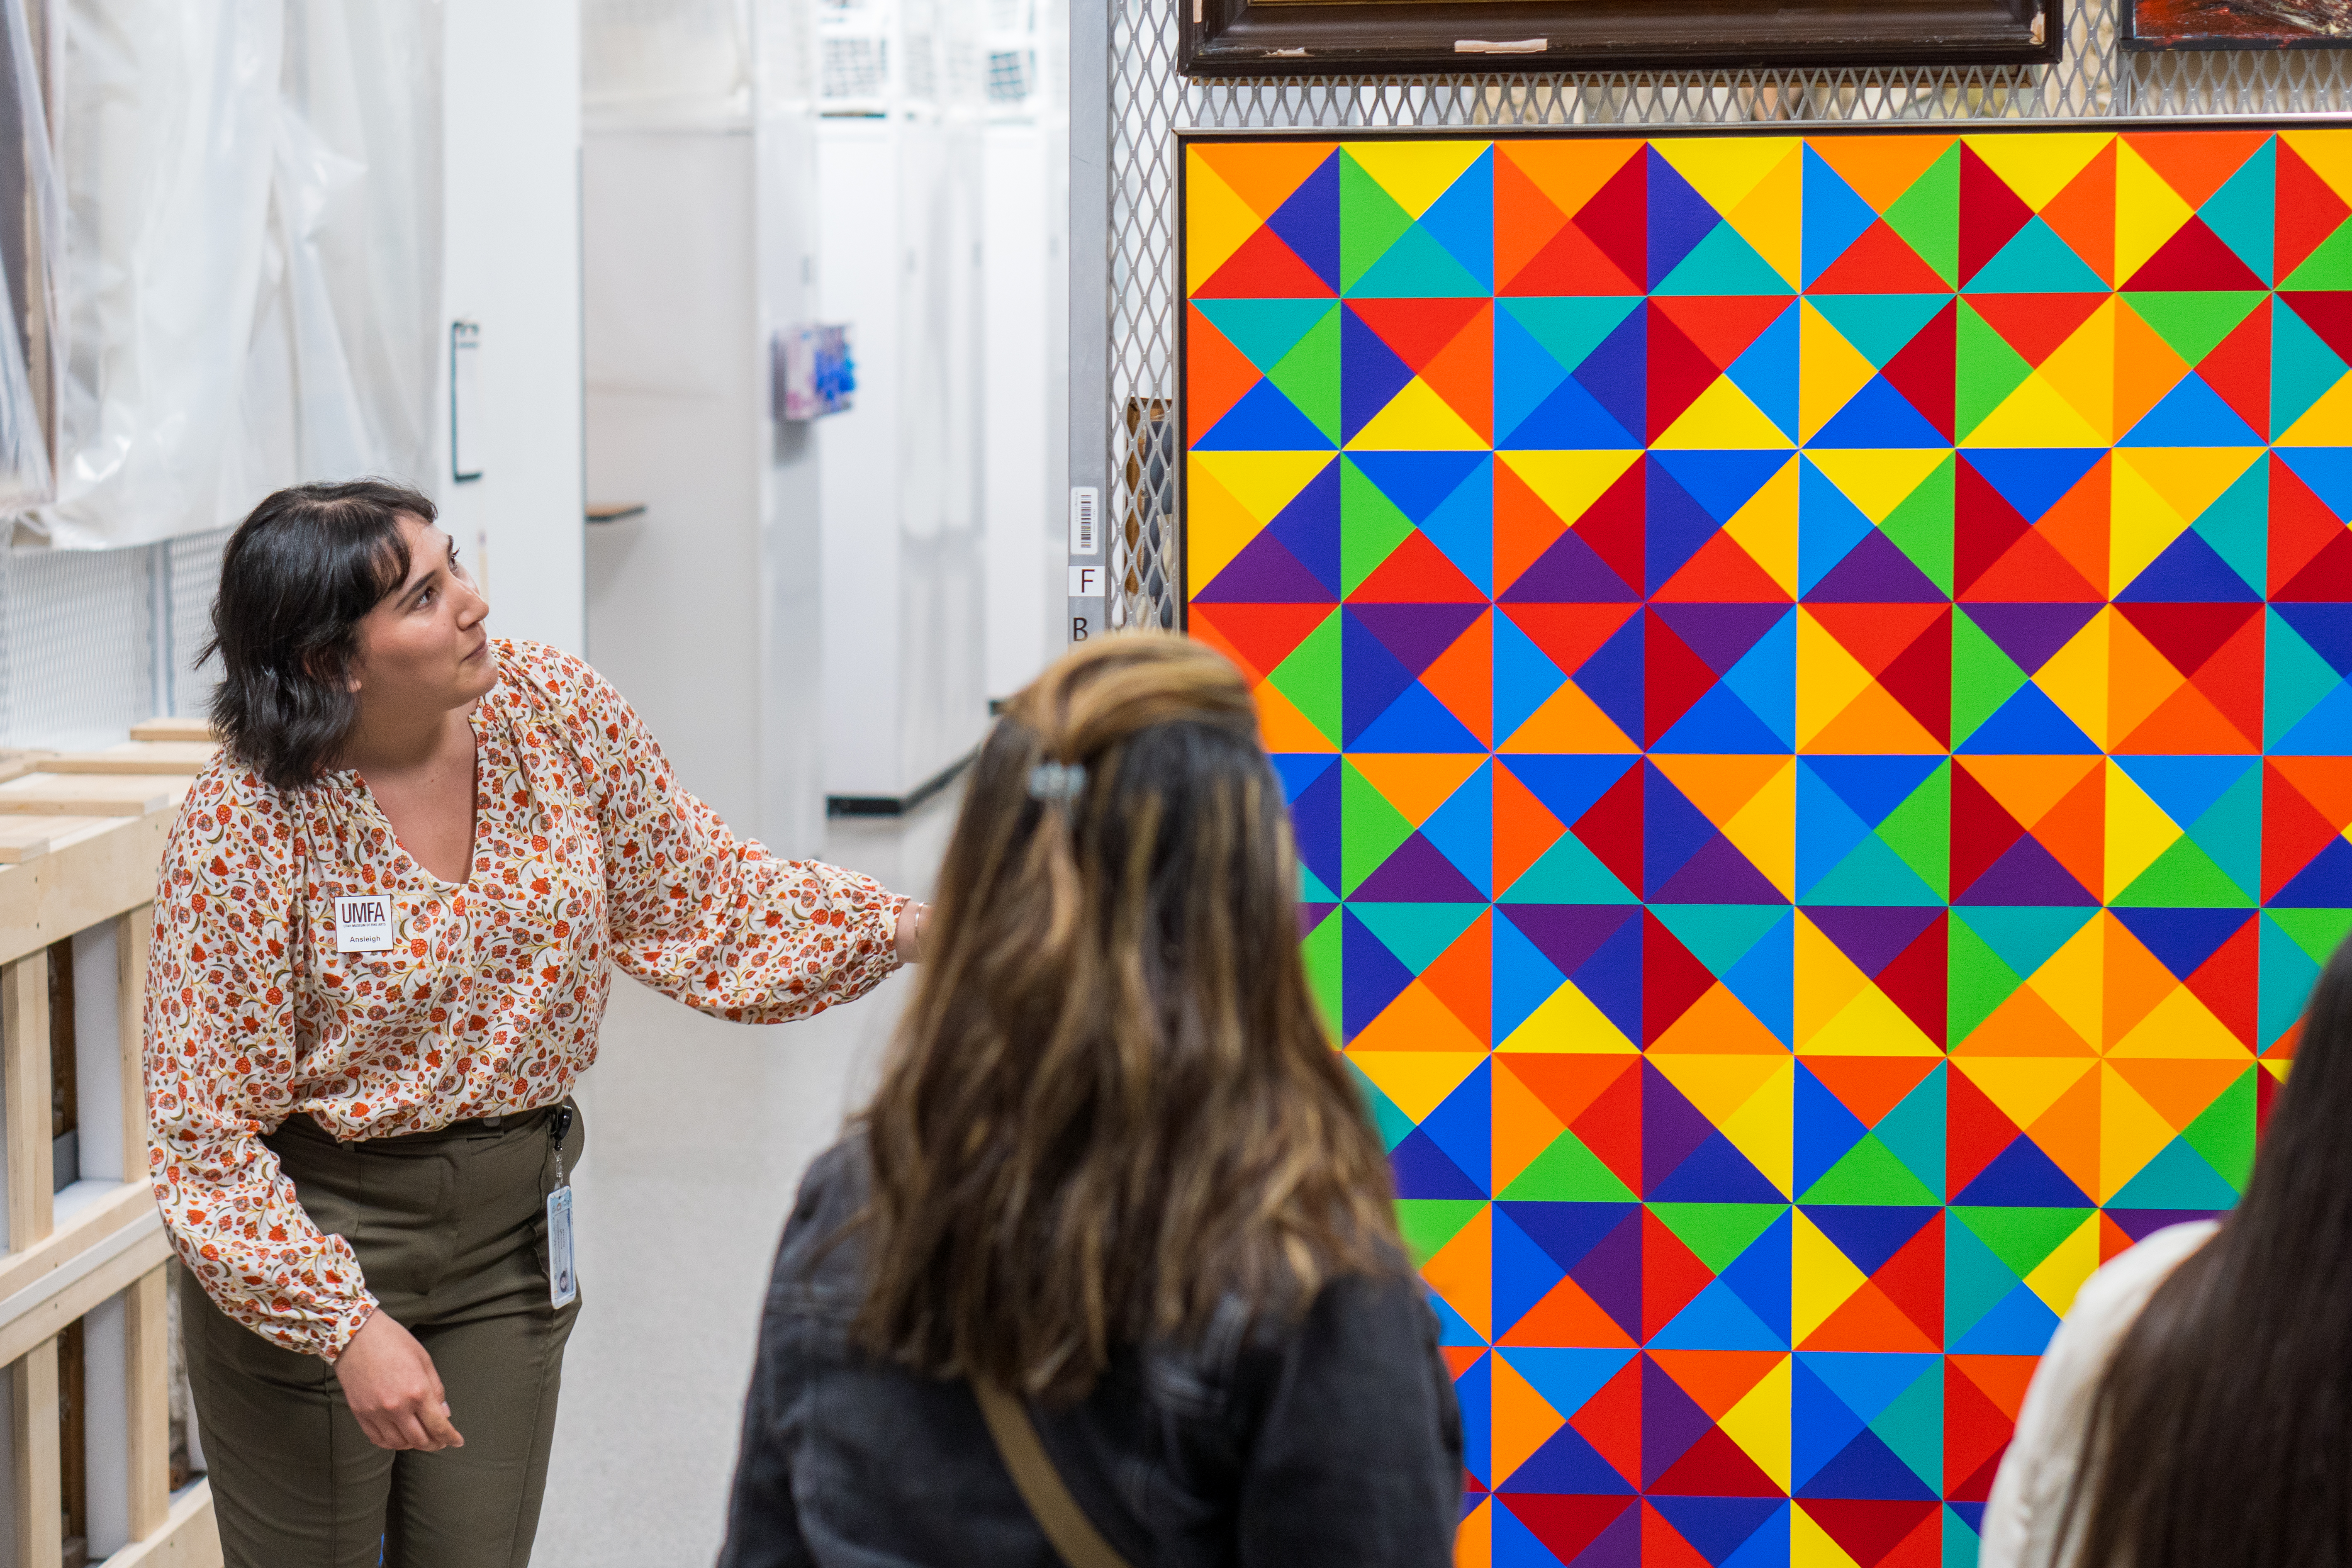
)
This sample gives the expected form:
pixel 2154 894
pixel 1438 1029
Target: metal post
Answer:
pixel 1089 260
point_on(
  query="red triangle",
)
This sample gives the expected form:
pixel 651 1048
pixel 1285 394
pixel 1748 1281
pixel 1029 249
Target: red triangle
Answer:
pixel 1216 375
pixel 1982 831
pixel 1722 573
pixel 1566 1522
pixel 1975 1431
pixel 1867 1530
pixel 2188 634
pixel 1525 220
pixel 1673 679
pixel 1568 634
pixel 1617 221
pixel 2231 680
pixel 1611 1126
pixel 1976 1485
pixel 1570 263
pixel 1880 262
pixel 1672 978
pixel 1990 213
pixel 1612 828
pixel 2328 577
pixel 2035 324
pixel 1914 1279
pixel 1976 1130
pixel 1715 1466
pixel 1418 329
pixel 1265 269
pixel 1879 634
pixel 1662 1545
pixel 1870 1086
pixel 1256 636
pixel 1679 369
pixel 1915 980
pixel 1463 371
pixel 1417 572
pixel 1920 677
pixel 2194 257
pixel 1925 370
pixel 1612 1422
pixel 2309 210
pixel 2327 313
pixel 1722 325
pixel 1613 526
pixel 2229 982
pixel 1984 527
pixel 2294 829
pixel 2033 572
pixel 1671 1275
pixel 2302 530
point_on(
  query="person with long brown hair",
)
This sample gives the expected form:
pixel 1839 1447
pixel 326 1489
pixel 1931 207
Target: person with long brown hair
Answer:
pixel 1116 1212
pixel 2195 1408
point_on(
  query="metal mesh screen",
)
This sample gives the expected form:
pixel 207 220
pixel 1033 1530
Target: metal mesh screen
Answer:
pixel 1148 101
pixel 91 642
pixel 191 575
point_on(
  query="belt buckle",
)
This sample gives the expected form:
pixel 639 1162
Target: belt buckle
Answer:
pixel 495 1123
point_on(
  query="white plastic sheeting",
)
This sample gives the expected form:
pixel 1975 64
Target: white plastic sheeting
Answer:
pixel 250 273
pixel 28 190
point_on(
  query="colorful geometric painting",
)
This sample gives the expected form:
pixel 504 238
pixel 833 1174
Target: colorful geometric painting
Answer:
pixel 1812 676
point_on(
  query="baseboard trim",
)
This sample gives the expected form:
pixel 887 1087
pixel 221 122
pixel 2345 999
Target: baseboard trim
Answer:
pixel 897 805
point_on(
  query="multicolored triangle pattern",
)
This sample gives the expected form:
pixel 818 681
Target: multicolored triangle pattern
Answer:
pixel 1813 676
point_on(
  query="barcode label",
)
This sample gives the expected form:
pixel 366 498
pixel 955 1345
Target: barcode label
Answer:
pixel 1083 539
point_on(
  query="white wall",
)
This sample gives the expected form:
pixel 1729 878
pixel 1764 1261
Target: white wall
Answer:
pixel 1026 415
pixel 511 106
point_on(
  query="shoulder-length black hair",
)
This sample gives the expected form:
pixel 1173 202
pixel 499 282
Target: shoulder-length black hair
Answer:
pixel 2220 1435
pixel 299 576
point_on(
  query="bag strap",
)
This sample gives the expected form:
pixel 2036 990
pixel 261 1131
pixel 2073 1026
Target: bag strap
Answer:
pixel 1066 1524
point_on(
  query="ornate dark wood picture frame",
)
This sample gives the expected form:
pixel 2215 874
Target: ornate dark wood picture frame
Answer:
pixel 1358 37
pixel 2161 24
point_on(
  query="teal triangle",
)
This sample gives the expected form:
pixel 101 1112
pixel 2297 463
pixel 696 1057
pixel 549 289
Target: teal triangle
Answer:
pixel 1393 1124
pixel 1266 330
pixel 1872 874
pixel 2303 367
pixel 1879 324
pixel 2036 261
pixel 2177 1178
pixel 1417 934
pixel 1962 1545
pixel 2287 973
pixel 1417 266
pixel 1975 1280
pixel 1723 263
pixel 1914 1130
pixel 2237 525
pixel 1312 889
pixel 1719 935
pixel 1569 329
pixel 1871 1383
pixel 1568 873
pixel 1914 1428
pixel 2321 731
pixel 2243 211
pixel 2023 938
pixel 2294 679
pixel 2231 832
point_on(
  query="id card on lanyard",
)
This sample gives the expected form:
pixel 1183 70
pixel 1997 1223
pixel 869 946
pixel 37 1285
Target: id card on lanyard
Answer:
pixel 563 1278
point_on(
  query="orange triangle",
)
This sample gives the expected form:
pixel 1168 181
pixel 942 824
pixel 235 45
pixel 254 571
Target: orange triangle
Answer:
pixel 2029 788
pixel 1722 573
pixel 1874 723
pixel 1880 168
pixel 2114 1242
pixel 2133 981
pixel 2199 162
pixel 1524 527
pixel 2069 1133
pixel 1524 219
pixel 2324 781
pixel 1570 263
pixel 1281 727
pixel 1463 1272
pixel 1462 977
pixel 1718 1380
pixel 1721 786
pixel 1568 721
pixel 2146 368
pixel 2002 1379
pixel 2074 831
pixel 1524 1126
pixel 1416 782
pixel 2023 1026
pixel 1460 1359
pixel 1462 373
pixel 1524 828
pixel 1568 170
pixel 1416 1021
pixel 2181 1091
pixel 1566 1316
pixel 1462 678
pixel 1870 1086
pixel 2187 722
pixel 1868 1320
pixel 2076 524
pixel 1265 173
pixel 1216 375
pixel 1567 1083
pixel 2083 215
pixel 1520 1420
pixel 1717 1025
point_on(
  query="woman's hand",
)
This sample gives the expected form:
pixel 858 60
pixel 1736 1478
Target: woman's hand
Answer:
pixel 391 1386
pixel 911 920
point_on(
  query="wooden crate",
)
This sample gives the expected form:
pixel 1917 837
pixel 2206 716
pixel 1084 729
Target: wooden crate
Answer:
pixel 172 730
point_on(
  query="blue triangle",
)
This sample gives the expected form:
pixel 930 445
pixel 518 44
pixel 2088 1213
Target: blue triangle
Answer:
pixel 1566 1462
pixel 1717 1525
pixel 2190 571
pixel 1454 1330
pixel 2183 938
pixel 1677 525
pixel 1371 978
pixel 1869 1234
pixel 1371 375
pixel 1833 526
pixel 1564 329
pixel 1415 722
pixel 1820 1424
pixel 1617 373
pixel 1264 421
pixel 1868 1382
pixel 1717 1320
pixel 1679 217
pixel 1612 978
pixel 1866 1467
pixel 2324 883
pixel 1715 1172
pixel 1423 1170
pixel 2020 1323
pixel 2035 261
pixel 1463 1124
pixel 1872 786
pixel 1764 979
pixel 2191 414
pixel 1759 1277
pixel 2028 724
pixel 1566 1231
pixel 1419 482
pixel 1464 829
pixel 1297 770
pixel 1569 419
pixel 2185 787
pixel 1315 815
pixel 1526 372
pixel 1524 978
pixel 2033 479
pixel 1878 417
pixel 1568 785
pixel 1463 221
pixel 1567 1377
pixel 1310 527
pixel 2326 469
pixel 1308 222
pixel 1613 677
pixel 1721 482
pixel 1765 680
pixel 1718 724
pixel 2022 1176
pixel 1768 372
pixel 1768 1548
pixel 1834 217
pixel 2324 629
pixel 2321 731
pixel 1463 525
pixel 1370 676
pixel 1525 678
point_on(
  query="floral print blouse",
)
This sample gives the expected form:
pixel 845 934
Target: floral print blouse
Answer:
pixel 587 853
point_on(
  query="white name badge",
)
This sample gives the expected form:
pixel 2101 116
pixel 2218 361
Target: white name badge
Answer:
pixel 563 1284
pixel 363 924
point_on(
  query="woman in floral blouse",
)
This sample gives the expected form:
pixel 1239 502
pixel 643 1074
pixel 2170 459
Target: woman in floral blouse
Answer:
pixel 386 927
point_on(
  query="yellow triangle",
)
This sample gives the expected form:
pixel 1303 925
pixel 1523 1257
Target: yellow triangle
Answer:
pixel 1761 1423
pixel 2181 1027
pixel 1878 481
pixel 1764 830
pixel 2138 831
pixel 1769 218
pixel 2148 211
pixel 1719 786
pixel 1262 483
pixel 1414 173
pixel 2037 167
pixel 2073 980
pixel 1824 980
pixel 1828 678
pixel 1767 528
pixel 1568 1024
pixel 1522 1420
pixel 1871 1025
pixel 1718 1086
pixel 1415 783
pixel 1834 370
pixel 1725 169
pixel 2327 423
pixel 2075 677
pixel 1417 1083
pixel 2058 1277
pixel 2131 1133
pixel 2329 153
pixel 1418 420
pixel 1216 526
pixel 1568 481
pixel 1568 722
pixel 2158 492
pixel 1723 419
pixel 2036 415
pixel 1764 1129
pixel 2023 1087
pixel 2082 369
pixel 1216 221
pixel 1810 1546
pixel 1821 1279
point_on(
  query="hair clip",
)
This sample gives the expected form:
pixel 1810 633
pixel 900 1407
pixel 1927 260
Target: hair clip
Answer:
pixel 1056 781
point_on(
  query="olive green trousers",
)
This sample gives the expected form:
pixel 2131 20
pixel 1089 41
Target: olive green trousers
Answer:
pixel 451 1233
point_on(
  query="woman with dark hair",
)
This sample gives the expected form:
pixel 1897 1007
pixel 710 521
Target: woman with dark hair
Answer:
pixel 384 932
pixel 2195 1408
pixel 1108 1269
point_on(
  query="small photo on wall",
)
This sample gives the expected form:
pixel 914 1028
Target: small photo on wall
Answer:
pixel 2237 24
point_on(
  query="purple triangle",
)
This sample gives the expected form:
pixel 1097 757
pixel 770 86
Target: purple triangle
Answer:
pixel 1567 934
pixel 1875 572
pixel 1611 1274
pixel 1265 573
pixel 1671 1422
pixel 1310 916
pixel 2141 1224
pixel 1568 573
pixel 2026 873
pixel 1618 1546
pixel 1672 1127
pixel 2030 634
pixel 1872 937
pixel 1417 873
pixel 1720 634
pixel 1417 633
pixel 1717 873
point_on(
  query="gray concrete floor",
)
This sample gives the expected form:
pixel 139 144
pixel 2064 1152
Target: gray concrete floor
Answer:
pixel 698 1133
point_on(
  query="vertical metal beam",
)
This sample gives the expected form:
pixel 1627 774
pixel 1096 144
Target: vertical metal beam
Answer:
pixel 25 1082
pixel 1089 259
pixel 39 1482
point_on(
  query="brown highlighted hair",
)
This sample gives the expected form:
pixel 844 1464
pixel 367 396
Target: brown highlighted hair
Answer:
pixel 2221 1434
pixel 1112 1104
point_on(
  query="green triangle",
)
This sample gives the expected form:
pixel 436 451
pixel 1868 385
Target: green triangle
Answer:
pixel 1870 1173
pixel 1370 528
pixel 1569 329
pixel 2230 831
pixel 2237 525
pixel 2036 260
pixel 1320 952
pixel 2183 877
pixel 1975 1280
pixel 1719 935
pixel 1568 873
pixel 1920 829
pixel 1722 262
pixel 1394 1125
pixel 1987 371
pixel 1921 527
pixel 1568 1172
pixel 2303 367
pixel 2021 1237
pixel 2318 931
pixel 2177 1178
pixel 1983 675
pixel 1268 330
pixel 1415 267
pixel 1872 873
pixel 1417 934
pixel 1428 1224
pixel 1914 1130
pixel 1928 216
pixel 1370 829
pixel 1719 1233
pixel 1914 1428
pixel 1370 221
pixel 1309 677
pixel 2224 1131
pixel 1309 374
pixel 2194 322
pixel 1880 325
pixel 2329 266
pixel 1979 982
pixel 2296 679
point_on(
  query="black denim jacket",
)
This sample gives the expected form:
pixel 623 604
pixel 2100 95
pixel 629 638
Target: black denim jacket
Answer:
pixel 1332 1441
